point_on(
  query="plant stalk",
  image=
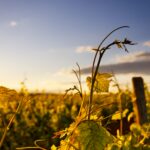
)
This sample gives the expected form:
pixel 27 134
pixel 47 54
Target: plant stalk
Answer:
pixel 101 52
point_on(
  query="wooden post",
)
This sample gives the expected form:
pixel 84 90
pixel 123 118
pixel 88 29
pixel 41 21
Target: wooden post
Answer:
pixel 140 101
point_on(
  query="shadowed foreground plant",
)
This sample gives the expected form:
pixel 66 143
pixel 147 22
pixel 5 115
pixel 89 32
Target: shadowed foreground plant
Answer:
pixel 86 133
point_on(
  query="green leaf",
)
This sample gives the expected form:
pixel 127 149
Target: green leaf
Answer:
pixel 90 136
pixel 136 129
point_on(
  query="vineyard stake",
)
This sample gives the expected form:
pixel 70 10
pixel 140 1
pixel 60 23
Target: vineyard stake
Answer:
pixel 140 101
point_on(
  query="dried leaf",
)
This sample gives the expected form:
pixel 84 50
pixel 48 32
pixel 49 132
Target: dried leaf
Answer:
pixel 119 45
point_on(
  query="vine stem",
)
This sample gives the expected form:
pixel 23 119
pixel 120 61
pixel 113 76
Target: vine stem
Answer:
pixel 101 52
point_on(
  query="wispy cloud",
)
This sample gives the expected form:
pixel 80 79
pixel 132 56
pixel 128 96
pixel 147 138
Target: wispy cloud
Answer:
pixel 132 57
pixel 63 72
pixel 57 81
pixel 147 43
pixel 81 49
pixel 138 63
pixel 13 24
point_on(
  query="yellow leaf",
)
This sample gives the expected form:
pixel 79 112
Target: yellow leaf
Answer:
pixel 53 147
pixel 117 115
pixel 101 83
pixel 131 115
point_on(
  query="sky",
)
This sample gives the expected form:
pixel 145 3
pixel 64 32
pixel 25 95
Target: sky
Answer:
pixel 42 40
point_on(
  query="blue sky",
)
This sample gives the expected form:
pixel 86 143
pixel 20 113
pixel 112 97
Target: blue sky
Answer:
pixel 39 39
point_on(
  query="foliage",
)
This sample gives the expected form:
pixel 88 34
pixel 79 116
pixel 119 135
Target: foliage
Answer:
pixel 42 117
pixel 101 83
pixel 87 136
pixel 39 118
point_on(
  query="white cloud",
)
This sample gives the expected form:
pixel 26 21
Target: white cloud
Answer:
pixel 57 81
pixel 132 57
pixel 137 63
pixel 81 49
pixel 13 24
pixel 147 43
pixel 63 72
pixel 60 81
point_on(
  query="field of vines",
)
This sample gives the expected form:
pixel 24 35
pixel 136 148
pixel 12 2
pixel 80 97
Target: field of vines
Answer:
pixel 43 116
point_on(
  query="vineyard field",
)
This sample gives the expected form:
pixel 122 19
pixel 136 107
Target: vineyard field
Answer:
pixel 44 114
